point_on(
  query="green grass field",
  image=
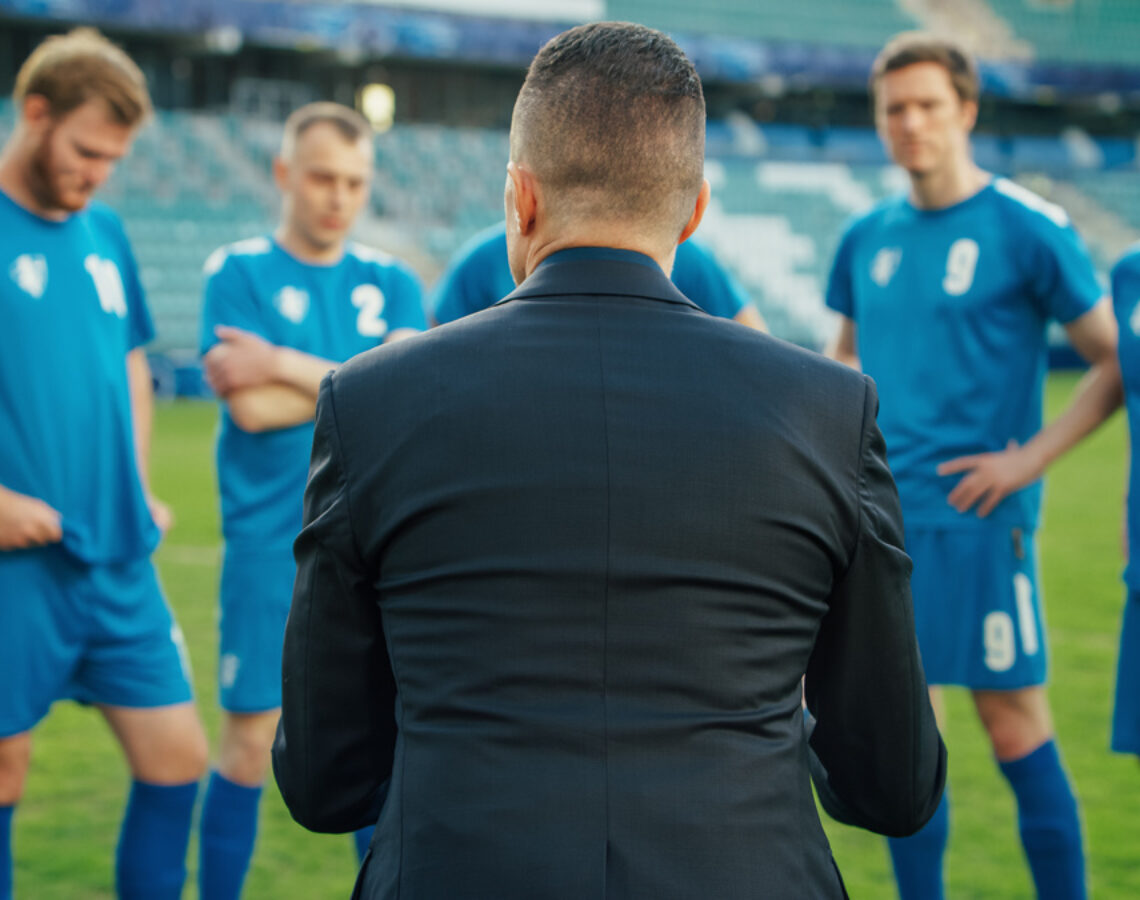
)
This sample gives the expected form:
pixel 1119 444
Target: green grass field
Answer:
pixel 66 827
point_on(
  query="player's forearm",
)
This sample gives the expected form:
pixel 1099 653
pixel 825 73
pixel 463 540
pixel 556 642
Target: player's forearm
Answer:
pixel 142 410
pixel 749 315
pixel 400 334
pixel 300 371
pixel 1098 395
pixel 270 407
pixel 848 359
pixel 844 347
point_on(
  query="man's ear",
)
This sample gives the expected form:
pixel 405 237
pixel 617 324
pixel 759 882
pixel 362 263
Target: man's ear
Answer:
pixel 524 197
pixel 36 112
pixel 698 212
pixel 969 114
pixel 281 173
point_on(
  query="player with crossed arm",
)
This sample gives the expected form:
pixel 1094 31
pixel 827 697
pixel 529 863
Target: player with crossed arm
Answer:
pixel 280 312
pixel 945 295
pixel 81 611
pixel 478 276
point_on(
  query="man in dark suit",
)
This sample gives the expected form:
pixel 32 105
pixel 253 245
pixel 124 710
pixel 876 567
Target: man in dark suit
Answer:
pixel 557 590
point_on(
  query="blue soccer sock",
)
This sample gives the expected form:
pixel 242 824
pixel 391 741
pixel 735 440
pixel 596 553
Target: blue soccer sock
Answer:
pixel 362 839
pixel 6 852
pixel 151 860
pixel 1049 823
pixel 228 831
pixel 917 859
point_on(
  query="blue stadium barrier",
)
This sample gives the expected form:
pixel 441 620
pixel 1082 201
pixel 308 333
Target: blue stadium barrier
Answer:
pixel 810 55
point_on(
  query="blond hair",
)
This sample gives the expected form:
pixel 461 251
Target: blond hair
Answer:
pixel 70 69
pixel 351 125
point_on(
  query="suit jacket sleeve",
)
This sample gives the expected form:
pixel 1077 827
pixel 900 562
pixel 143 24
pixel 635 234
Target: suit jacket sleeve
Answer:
pixel 878 760
pixel 333 753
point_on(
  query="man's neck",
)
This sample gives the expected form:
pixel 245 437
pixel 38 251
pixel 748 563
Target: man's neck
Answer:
pixel 950 186
pixel 14 168
pixel 297 246
pixel 617 238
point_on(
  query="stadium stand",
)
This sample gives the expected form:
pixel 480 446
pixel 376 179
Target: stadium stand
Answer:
pixel 782 194
pixel 975 23
pixel 782 190
pixel 1107 31
pixel 838 22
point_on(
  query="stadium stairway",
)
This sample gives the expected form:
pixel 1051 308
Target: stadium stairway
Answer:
pixel 1105 31
pixel 974 22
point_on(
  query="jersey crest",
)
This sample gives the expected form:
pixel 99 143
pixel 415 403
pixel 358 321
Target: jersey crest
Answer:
pixel 885 264
pixel 108 285
pixel 30 272
pixel 292 303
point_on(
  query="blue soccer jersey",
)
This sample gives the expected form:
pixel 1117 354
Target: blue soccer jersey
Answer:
pixel 1126 303
pixel 480 276
pixel 72 308
pixel 333 312
pixel 951 307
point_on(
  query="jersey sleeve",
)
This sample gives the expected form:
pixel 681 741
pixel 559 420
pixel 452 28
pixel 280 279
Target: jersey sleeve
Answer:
pixel 1063 279
pixel 140 325
pixel 702 279
pixel 1126 285
pixel 449 296
pixel 227 300
pixel 404 303
pixel 840 294
pixel 478 276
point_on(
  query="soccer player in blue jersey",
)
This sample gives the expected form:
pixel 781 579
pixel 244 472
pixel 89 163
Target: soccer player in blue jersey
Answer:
pixel 82 615
pixel 478 276
pixel 279 312
pixel 1126 302
pixel 944 296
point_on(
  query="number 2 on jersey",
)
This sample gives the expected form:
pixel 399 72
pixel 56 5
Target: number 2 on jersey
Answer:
pixel 961 263
pixel 369 299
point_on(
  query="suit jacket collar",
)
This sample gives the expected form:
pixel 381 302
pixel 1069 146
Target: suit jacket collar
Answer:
pixel 605 271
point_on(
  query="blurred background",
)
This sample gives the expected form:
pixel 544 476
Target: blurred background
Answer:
pixel 792 153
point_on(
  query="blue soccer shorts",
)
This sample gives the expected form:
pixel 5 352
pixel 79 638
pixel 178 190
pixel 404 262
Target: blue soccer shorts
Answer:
pixel 256 592
pixel 1126 712
pixel 93 633
pixel 977 605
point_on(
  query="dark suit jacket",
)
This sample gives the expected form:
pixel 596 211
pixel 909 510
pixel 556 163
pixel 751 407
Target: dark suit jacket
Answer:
pixel 564 565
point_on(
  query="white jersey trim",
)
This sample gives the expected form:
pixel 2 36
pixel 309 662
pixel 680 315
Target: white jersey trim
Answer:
pixel 1032 201
pixel 368 254
pixel 257 246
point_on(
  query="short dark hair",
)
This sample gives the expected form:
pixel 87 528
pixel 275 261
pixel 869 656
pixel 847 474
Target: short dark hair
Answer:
pixel 69 69
pixel 912 47
pixel 352 125
pixel 611 118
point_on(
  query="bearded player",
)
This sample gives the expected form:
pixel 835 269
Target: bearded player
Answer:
pixel 81 612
